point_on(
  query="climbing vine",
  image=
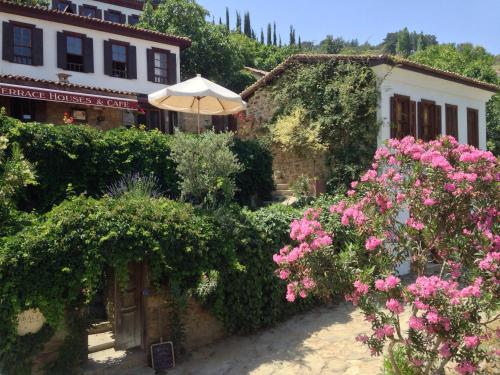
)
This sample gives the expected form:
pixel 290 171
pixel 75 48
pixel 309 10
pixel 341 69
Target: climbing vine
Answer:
pixel 330 105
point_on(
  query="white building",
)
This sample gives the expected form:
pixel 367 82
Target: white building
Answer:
pixel 85 58
pixel 414 99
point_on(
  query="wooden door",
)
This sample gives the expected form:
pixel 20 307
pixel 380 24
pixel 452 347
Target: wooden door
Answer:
pixel 128 309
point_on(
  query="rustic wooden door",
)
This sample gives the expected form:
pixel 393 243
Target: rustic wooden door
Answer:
pixel 128 309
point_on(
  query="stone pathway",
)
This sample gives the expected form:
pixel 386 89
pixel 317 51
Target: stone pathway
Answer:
pixel 318 342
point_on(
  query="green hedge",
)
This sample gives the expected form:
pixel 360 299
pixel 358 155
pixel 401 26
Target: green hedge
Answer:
pixel 57 262
pixel 81 159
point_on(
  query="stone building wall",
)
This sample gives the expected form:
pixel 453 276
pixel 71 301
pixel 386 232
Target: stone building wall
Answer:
pixel 287 166
pixel 200 327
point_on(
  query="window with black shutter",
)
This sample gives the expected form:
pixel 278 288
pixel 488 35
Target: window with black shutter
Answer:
pixel 22 43
pixel 114 16
pixel 75 52
pixel 157 63
pixel 403 116
pixel 473 127
pixel 172 68
pixel 451 113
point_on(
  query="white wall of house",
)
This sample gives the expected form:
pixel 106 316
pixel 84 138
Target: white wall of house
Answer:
pixel 418 86
pixel 49 70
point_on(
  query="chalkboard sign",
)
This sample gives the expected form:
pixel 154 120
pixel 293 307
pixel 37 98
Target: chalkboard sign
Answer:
pixel 162 356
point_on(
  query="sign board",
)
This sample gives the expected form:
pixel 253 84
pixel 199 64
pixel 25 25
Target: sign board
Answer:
pixel 70 97
pixel 162 356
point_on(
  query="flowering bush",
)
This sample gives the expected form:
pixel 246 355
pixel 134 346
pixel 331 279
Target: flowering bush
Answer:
pixel 419 202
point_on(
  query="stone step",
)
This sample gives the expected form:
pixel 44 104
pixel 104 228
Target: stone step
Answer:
pixel 282 186
pixel 101 341
pixel 117 362
pixel 283 193
pixel 100 327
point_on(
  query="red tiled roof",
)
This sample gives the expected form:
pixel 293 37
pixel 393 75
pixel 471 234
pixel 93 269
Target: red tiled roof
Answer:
pixel 372 61
pixel 41 82
pixel 92 23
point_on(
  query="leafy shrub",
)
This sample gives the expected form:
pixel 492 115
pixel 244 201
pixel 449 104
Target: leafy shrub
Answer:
pixel 75 159
pixel 255 182
pixel 206 166
pixel 449 195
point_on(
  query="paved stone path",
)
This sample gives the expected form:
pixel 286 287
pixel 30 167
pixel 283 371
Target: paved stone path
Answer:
pixel 318 342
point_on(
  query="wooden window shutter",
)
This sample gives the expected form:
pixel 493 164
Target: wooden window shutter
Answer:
pixel 472 127
pixel 7 42
pixel 420 125
pixel 108 65
pixel 413 119
pixel 150 59
pixel 393 117
pixel 171 68
pixel 73 8
pixel 451 120
pixel 131 63
pixel 61 51
pixel 123 18
pixel 88 55
pixel 80 10
pixel 437 121
pixel 98 14
pixel 106 15
pixel 37 47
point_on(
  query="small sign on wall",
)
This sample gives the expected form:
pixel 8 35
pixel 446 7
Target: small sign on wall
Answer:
pixel 79 114
pixel 162 356
pixel 29 321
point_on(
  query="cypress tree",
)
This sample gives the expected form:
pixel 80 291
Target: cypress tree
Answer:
pixel 228 27
pixel 238 22
pixel 220 20
pixel 292 36
pixel 279 45
pixel 269 34
pixel 300 42
pixel 247 28
pixel 274 34
pixel 261 35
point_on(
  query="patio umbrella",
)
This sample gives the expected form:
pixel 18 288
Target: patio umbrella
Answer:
pixel 198 95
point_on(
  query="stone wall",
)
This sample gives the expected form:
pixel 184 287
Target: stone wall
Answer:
pixel 287 166
pixel 200 327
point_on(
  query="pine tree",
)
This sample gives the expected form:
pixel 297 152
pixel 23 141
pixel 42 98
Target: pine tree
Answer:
pixel 238 22
pixel 269 34
pixel 228 27
pixel 274 35
pixel 247 28
pixel 261 35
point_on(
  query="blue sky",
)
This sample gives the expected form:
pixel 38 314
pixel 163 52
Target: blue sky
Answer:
pixel 475 21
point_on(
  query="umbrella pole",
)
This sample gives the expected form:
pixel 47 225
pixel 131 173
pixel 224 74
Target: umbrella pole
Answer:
pixel 198 115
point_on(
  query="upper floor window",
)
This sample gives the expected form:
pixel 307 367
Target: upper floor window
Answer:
pixel 90 11
pixel 120 59
pixel 133 19
pixel 65 6
pixel 75 52
pixel 162 66
pixel 114 16
pixel 22 43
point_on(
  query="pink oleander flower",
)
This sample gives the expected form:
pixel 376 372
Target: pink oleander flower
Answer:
pixel 466 367
pixel 392 282
pixel 362 338
pixel 372 243
pixel 394 306
pixel 380 285
pixel 444 350
pixel 432 317
pixel 416 323
pixel 284 274
pixel 471 341
pixel 388 330
pixel 429 202
pixel 361 288
pixel 415 224
pixel 450 187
